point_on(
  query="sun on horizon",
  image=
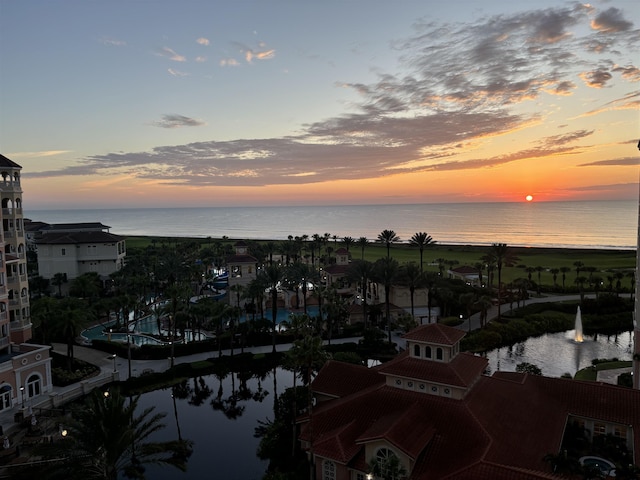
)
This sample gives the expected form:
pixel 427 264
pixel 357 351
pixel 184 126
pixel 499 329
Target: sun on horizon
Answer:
pixel 529 198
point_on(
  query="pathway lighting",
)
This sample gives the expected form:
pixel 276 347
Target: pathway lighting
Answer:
pixel 22 395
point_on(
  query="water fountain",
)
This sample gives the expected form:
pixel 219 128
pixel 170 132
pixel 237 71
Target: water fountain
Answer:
pixel 578 335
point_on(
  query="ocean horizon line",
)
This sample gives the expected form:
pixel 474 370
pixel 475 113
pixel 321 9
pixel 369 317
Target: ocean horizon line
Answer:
pixel 327 205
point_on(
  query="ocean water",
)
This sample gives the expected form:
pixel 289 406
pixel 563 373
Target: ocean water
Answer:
pixel 587 224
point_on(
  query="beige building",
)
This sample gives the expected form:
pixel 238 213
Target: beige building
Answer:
pixel 74 253
pixel 25 368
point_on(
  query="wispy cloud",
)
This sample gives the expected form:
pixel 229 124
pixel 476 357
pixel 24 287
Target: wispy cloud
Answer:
pixel 458 86
pixel 625 162
pixel 45 153
pixel 177 121
pixel 112 42
pixel 229 62
pixel 170 54
pixel 177 73
pixel 203 41
pixel 251 54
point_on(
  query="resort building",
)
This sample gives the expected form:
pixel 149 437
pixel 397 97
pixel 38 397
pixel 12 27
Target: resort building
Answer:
pixel 25 368
pixel 75 252
pixel 242 268
pixel 468 275
pixel 435 413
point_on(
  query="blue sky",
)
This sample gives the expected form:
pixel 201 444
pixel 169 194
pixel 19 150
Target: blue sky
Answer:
pixel 160 103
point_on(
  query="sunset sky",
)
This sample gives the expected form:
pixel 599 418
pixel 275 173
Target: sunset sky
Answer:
pixel 224 103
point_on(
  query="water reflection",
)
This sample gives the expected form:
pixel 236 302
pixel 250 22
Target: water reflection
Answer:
pixel 559 353
pixel 219 413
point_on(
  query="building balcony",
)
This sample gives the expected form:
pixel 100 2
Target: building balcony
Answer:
pixel 3 316
pixel 4 342
pixel 8 234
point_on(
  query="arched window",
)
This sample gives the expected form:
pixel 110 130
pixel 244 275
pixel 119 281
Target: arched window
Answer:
pixel 416 350
pixel 387 465
pixel 427 352
pixel 439 353
pixel 5 396
pixel 34 385
pixel 328 470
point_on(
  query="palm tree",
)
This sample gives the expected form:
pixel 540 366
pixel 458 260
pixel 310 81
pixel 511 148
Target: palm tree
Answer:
pixel 501 255
pixel 388 237
pixel 42 313
pixel 539 270
pixel 578 264
pixel 58 280
pixel 361 271
pixel 413 277
pixel 362 243
pixel 421 240
pixel 564 271
pixel 273 275
pixel 554 273
pixel 348 241
pixel 70 318
pixel 386 272
pixel 107 440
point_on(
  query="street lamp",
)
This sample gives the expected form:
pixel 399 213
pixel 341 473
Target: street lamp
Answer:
pixel 22 395
pixel 114 362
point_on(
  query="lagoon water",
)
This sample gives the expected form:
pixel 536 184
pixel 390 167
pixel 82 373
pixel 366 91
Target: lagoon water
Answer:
pixel 587 224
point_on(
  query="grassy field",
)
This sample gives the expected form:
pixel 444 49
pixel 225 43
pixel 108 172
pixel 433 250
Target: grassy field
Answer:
pixel 606 262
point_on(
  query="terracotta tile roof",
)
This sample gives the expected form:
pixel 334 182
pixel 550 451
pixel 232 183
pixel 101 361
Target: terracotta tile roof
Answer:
pixel 342 251
pixel 462 371
pixel 406 430
pixel 491 471
pixel 338 379
pixel 435 333
pixel 241 258
pixel 501 430
pixel 465 270
pixel 337 269
pixel 526 414
pixel 454 437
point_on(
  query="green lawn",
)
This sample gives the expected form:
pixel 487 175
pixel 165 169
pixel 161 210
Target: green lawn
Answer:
pixel 605 261
pixel 591 373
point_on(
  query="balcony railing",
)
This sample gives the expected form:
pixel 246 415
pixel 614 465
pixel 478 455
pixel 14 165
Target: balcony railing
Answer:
pixel 4 342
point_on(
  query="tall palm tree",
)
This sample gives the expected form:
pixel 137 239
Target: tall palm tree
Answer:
pixel 70 318
pixel 564 271
pixel 347 242
pixel 412 276
pixel 58 280
pixel 361 271
pixel 362 243
pixel 501 255
pixel 273 275
pixel 388 237
pixel 386 272
pixel 421 240
pixel 107 439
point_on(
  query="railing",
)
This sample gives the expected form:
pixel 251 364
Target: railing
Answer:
pixel 3 289
pixel 8 234
pixel 3 316
pixel 4 342
pixel 78 390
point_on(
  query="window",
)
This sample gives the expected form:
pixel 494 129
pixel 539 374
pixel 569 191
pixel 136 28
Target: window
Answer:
pixel 5 397
pixel 360 476
pixel 34 386
pixel 620 432
pixel 328 470
pixel 427 352
pixel 63 252
pixel 439 354
pixel 416 351
pixel 387 465
pixel 599 429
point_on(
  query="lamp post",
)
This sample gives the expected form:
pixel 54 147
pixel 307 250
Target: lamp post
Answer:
pixel 114 362
pixel 22 396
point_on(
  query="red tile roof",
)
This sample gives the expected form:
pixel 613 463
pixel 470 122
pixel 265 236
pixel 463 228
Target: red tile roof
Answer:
pixel 339 379
pixel 435 333
pixel 462 371
pixel 501 430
